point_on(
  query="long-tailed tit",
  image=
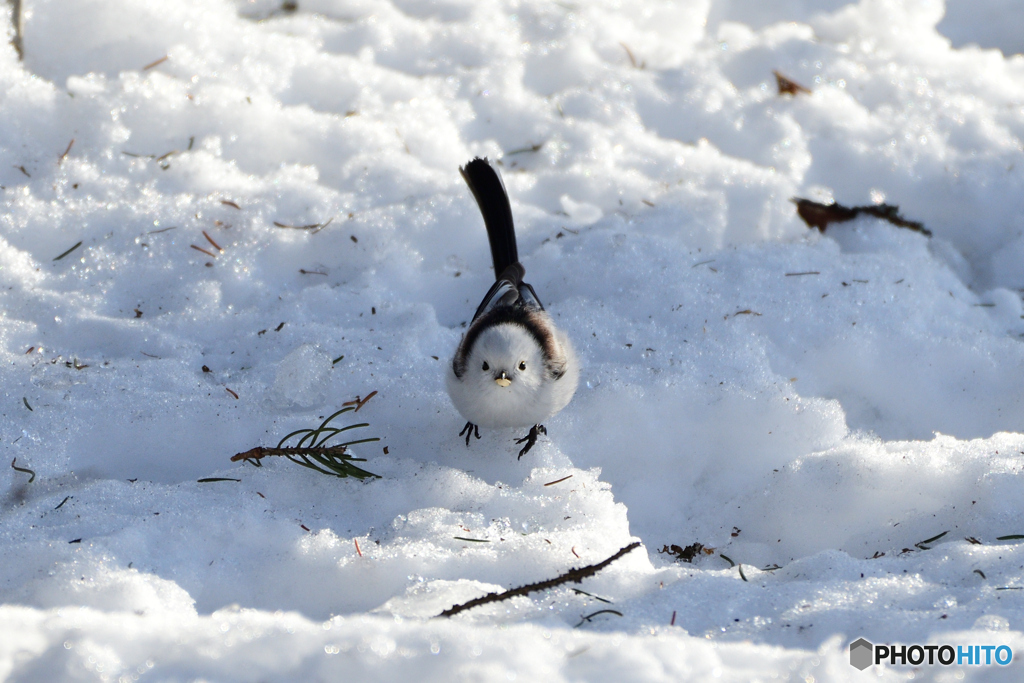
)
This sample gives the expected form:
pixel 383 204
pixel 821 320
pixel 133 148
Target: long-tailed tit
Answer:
pixel 513 367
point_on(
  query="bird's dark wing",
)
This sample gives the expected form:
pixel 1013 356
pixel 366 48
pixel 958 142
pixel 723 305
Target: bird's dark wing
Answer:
pixel 506 291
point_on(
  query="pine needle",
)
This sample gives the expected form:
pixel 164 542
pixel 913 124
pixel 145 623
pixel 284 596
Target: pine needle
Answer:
pixel 23 469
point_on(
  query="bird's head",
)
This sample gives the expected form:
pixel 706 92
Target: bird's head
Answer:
pixel 508 357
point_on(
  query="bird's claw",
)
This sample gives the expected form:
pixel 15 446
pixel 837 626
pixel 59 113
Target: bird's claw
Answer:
pixel 470 430
pixel 531 439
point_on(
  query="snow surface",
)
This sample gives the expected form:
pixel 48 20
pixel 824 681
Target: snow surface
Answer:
pixel 809 422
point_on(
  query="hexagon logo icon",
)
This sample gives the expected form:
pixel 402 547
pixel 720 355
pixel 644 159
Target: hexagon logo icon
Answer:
pixel 861 654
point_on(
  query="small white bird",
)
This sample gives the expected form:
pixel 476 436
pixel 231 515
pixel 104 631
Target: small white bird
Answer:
pixel 513 367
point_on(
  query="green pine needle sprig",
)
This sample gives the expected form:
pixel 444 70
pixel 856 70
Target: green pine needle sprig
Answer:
pixel 313 452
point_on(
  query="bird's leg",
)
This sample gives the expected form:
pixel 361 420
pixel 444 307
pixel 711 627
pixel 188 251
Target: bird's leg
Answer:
pixel 531 439
pixel 470 430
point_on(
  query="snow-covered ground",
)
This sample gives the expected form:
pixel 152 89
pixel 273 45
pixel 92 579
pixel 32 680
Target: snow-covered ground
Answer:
pixel 810 406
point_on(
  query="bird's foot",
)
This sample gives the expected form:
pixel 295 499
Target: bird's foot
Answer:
pixel 470 430
pixel 531 439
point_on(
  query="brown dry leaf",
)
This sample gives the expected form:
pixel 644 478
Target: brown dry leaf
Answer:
pixel 788 87
pixel 818 215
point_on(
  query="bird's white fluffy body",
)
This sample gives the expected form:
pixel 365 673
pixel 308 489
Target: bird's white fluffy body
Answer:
pixel 533 394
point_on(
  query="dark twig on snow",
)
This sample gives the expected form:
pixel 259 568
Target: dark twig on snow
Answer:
pixel 62 157
pixel 16 20
pixel 571 576
pixel 359 402
pixel 155 63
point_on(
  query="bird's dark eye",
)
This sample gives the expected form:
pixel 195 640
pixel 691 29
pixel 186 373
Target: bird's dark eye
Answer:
pixel 522 365
pixel 486 366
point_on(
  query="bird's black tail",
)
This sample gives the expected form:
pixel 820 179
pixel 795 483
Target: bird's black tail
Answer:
pixel 490 195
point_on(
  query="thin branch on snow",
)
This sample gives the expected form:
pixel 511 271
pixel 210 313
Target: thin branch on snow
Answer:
pixel 571 576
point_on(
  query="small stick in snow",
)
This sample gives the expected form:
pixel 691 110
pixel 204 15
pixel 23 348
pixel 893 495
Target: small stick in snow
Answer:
pixel 19 25
pixel 571 576
pixel 358 402
pixel 60 160
pixel 745 311
pixel 524 150
pixel 210 240
pixel 156 63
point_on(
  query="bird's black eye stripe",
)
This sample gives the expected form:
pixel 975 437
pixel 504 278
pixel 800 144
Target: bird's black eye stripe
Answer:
pixel 486 366
pixel 522 365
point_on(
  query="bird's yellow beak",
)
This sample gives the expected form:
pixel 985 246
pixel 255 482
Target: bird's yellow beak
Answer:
pixel 502 380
